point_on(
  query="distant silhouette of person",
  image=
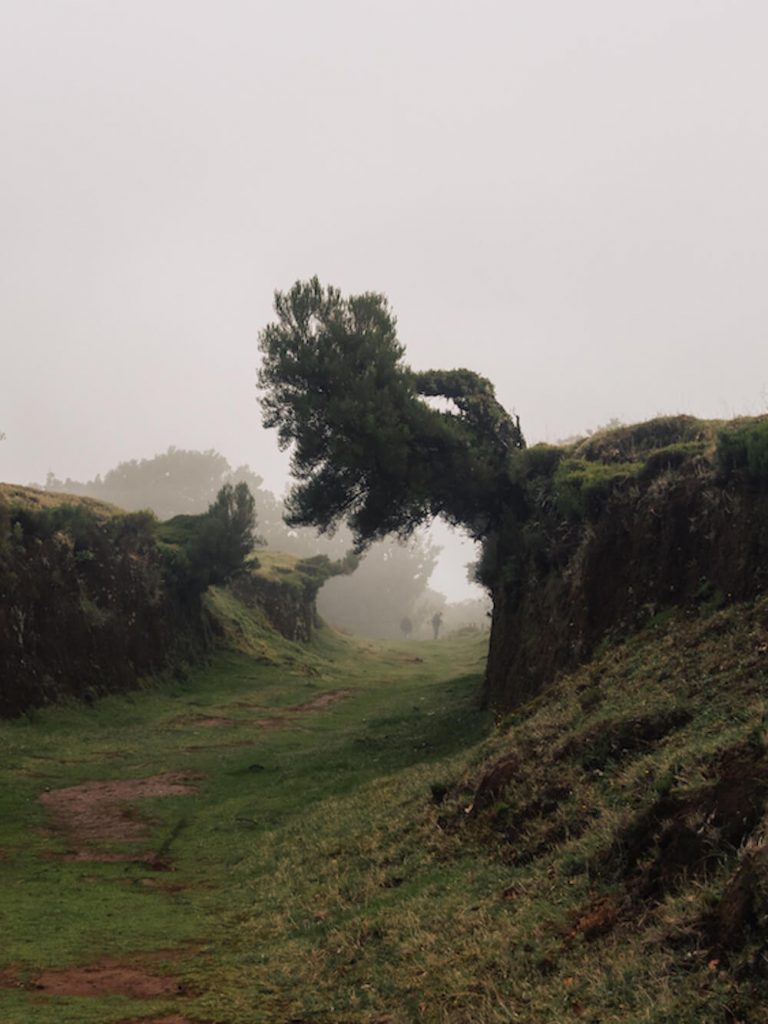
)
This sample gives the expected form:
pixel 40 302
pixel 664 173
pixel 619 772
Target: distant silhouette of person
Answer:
pixel 437 621
pixel 407 627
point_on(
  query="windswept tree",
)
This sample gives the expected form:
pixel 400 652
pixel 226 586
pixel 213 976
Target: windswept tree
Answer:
pixel 371 448
pixel 368 447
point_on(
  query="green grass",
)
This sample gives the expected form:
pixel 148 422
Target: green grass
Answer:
pixel 400 710
pixel 320 881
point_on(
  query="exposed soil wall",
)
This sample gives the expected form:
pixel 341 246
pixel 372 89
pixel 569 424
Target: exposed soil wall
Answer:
pixel 673 527
pixel 289 609
pixel 85 608
pixel 92 600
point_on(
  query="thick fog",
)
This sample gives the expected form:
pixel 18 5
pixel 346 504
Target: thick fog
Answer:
pixel 567 197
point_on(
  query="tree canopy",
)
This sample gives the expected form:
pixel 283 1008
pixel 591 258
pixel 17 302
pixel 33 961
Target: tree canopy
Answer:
pixel 367 446
pixel 175 482
pixel 214 545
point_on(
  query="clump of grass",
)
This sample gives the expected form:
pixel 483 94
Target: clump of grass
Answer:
pixel 582 488
pixel 640 440
pixel 743 449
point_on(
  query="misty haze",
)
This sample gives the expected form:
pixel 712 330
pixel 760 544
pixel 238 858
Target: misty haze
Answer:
pixel 383 512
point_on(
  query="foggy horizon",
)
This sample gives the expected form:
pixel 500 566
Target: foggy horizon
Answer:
pixel 567 199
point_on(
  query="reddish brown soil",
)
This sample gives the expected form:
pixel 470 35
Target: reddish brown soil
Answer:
pixel 596 920
pixel 132 978
pixel 216 721
pixel 318 703
pixel 96 811
pixel 173 1019
pixel 106 980
pixel 323 700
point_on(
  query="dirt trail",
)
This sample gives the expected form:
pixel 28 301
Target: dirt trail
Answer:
pixel 104 811
pixel 323 700
pixel 215 721
pixel 319 703
pixel 96 812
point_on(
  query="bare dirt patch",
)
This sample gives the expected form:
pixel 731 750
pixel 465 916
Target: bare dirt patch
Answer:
pixel 173 1019
pixel 108 977
pixel 100 811
pixel 319 703
pixel 149 859
pixel 597 919
pixel 217 721
pixel 106 980
pixel 323 700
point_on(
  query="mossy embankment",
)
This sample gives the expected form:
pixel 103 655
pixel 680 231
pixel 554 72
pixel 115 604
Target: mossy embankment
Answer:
pixel 94 600
pixel 85 606
pixel 617 528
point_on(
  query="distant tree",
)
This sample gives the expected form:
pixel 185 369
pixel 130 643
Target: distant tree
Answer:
pixel 175 482
pixel 389 582
pixel 228 533
pixel 474 613
pixel 391 578
pixel 212 547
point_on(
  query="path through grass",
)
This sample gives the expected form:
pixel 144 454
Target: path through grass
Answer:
pixel 203 895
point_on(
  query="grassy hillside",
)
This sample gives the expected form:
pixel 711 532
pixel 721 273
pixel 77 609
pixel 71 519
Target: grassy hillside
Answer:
pixel 346 837
pixel 35 499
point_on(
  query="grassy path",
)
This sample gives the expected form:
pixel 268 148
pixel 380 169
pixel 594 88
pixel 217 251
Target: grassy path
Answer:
pixel 266 843
pixel 202 895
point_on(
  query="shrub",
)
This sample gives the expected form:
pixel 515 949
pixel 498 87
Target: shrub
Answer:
pixel 210 548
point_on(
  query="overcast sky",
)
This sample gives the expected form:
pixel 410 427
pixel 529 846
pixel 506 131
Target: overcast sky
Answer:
pixel 568 196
